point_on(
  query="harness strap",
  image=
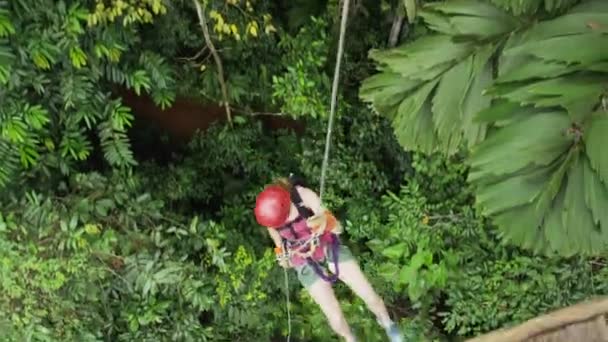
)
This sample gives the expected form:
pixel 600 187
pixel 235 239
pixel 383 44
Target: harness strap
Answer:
pixel 303 210
pixel 305 213
pixel 317 268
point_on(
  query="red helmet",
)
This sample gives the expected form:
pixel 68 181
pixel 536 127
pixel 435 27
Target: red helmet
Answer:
pixel 272 206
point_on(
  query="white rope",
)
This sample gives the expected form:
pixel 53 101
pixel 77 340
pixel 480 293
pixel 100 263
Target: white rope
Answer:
pixel 334 94
pixel 288 304
pixel 332 112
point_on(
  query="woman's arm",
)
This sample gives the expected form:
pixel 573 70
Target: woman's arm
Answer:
pixel 282 256
pixel 324 219
pixel 276 237
pixel 311 200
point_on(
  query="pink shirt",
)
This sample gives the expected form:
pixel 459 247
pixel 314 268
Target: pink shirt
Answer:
pixel 303 233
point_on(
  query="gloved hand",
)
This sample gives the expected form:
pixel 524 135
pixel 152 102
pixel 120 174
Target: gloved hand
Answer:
pixel 324 222
pixel 282 257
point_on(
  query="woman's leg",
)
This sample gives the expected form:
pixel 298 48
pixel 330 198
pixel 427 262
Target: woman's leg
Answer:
pixel 323 294
pixel 351 275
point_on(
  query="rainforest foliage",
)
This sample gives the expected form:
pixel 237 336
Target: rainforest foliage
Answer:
pixel 466 164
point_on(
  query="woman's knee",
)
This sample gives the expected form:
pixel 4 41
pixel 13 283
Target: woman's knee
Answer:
pixel 339 325
pixel 322 293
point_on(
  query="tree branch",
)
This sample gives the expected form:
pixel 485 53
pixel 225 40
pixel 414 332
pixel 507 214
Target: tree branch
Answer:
pixel 557 319
pixel 216 57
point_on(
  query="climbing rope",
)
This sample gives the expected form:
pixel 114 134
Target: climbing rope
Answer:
pixel 334 94
pixel 332 112
pixel 288 304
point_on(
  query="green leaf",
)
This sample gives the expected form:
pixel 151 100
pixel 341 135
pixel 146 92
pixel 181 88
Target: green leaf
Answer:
pixel 577 218
pixel 556 5
pixel 386 91
pixel 388 270
pixel 569 24
pixel 596 197
pixel 139 79
pixel 526 7
pixel 476 99
pixel 469 18
pixel 552 204
pixel 521 144
pixel 592 6
pixel 578 94
pixel 6 27
pixel 411 7
pixel 395 252
pixel 408 274
pixel 474 8
pixel 503 112
pixel 529 67
pixel 519 189
pixel 413 124
pixel 596 140
pixel 425 53
pixel 555 232
pixel 447 105
pixel 449 113
pixel 421 258
pixel 584 48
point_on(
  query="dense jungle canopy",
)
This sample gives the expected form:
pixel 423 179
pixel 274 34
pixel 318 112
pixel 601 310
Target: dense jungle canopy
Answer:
pixel 466 163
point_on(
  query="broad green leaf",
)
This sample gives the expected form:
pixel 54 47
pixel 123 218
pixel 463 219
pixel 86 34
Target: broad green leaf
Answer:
pixel 424 53
pixel 484 27
pixel 569 24
pixel 584 48
pixel 408 274
pixel 388 270
pixel 503 112
pixel 554 182
pixel 596 140
pixel 473 8
pixel 411 8
pixel 468 18
pixel 396 251
pixel 519 7
pixel 556 5
pixel 437 22
pixel 576 216
pixel 596 197
pixel 432 73
pixel 579 95
pixel 592 6
pixel 413 124
pixel 447 105
pixel 520 145
pixel 513 191
pixel 386 91
pixel 421 258
pixel 600 67
pixel 476 99
pixel 529 67
pixel 521 226
pixel 554 230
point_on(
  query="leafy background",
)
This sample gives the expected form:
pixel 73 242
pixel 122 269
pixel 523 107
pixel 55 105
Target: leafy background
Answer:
pixel 454 157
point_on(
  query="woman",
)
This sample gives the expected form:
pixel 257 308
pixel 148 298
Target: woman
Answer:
pixel 305 235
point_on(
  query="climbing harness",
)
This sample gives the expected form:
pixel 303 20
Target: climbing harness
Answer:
pixel 332 111
pixel 306 248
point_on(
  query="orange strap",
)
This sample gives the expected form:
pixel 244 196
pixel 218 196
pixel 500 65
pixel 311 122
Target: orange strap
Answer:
pixel 332 222
pixel 328 221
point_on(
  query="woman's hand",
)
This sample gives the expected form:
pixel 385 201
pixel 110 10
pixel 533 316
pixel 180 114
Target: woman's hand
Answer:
pixel 284 263
pixel 324 222
pixel 282 257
